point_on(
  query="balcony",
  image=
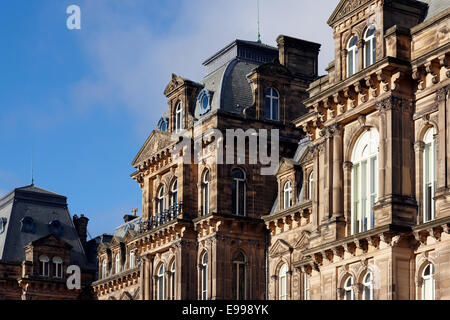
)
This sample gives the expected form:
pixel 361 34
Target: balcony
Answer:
pixel 162 218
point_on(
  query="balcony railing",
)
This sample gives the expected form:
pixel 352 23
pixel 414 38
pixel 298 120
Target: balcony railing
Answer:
pixel 162 218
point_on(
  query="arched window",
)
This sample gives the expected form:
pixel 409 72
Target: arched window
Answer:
pixel 287 195
pixel 239 193
pixel 429 175
pixel 179 117
pixel 161 284
pixel 43 266
pixel 118 263
pixel 370 47
pixel 161 206
pixel 205 193
pixel 272 104
pixel 368 286
pixel 57 267
pixel 352 56
pixel 364 181
pixel 104 266
pixel 283 294
pixel 204 276
pixel 132 260
pixel 174 194
pixel 349 294
pixel 306 287
pixel 172 281
pixel 239 276
pixel 428 285
pixel 311 186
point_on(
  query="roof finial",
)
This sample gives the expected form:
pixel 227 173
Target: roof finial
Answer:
pixel 259 34
pixel 32 173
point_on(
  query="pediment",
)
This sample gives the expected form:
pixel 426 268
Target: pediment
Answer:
pixel 157 141
pixel 303 241
pixel 307 156
pixel 115 242
pixel 344 8
pixel 279 248
pixel 177 82
pixel 286 165
pixel 51 240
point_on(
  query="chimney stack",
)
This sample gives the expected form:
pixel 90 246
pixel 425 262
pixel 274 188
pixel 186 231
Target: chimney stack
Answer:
pixel 81 224
pixel 299 56
pixel 127 218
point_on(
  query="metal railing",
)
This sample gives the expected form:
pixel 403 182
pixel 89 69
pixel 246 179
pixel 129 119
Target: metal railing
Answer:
pixel 162 218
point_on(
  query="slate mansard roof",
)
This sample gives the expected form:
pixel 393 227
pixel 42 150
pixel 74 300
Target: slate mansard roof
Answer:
pixel 42 207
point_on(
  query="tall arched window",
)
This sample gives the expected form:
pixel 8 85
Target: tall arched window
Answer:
pixel 204 276
pixel 364 181
pixel 428 285
pixel 349 293
pixel 311 186
pixel 118 263
pixel 43 266
pixel 283 282
pixel 239 276
pixel 132 260
pixel 172 281
pixel 306 287
pixel 174 194
pixel 368 286
pixel 161 202
pixel 238 193
pixel 179 117
pixel 370 47
pixel 429 175
pixel 104 266
pixel 352 56
pixel 205 193
pixel 161 283
pixel 57 267
pixel 287 195
pixel 272 104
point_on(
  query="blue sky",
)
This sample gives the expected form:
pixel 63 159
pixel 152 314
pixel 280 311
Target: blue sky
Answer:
pixel 86 100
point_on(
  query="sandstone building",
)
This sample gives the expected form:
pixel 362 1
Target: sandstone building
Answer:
pixel 38 242
pixel 359 206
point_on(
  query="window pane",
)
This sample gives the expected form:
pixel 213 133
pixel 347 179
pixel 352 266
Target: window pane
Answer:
pixel 241 198
pixel 275 109
pixel 350 63
pixel 234 195
pixel 364 195
pixel 268 109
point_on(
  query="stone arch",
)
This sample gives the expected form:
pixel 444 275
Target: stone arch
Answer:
pixel 354 135
pixel 429 123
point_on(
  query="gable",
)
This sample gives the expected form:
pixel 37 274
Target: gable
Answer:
pixel 303 241
pixel 286 165
pixel 344 8
pixel 279 248
pixel 157 141
pixel 51 241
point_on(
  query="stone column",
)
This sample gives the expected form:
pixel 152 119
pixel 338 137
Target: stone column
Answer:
pixel 337 172
pixel 142 279
pixel 442 149
pixel 347 168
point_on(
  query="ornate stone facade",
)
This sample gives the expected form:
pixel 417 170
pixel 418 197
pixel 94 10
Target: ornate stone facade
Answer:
pixel 353 212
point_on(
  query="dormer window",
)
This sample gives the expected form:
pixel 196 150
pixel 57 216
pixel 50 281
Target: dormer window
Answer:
pixel 370 47
pixel 204 102
pixel 179 117
pixel 27 225
pixel 162 125
pixel 287 195
pixel 272 104
pixel 55 227
pixel 2 225
pixel 352 56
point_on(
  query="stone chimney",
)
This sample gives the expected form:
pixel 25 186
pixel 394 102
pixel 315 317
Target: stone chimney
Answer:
pixel 81 224
pixel 299 56
pixel 127 218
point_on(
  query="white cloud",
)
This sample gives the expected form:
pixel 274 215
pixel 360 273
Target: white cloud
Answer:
pixel 132 58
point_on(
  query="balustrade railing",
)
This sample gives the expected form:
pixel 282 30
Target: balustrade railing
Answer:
pixel 162 218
